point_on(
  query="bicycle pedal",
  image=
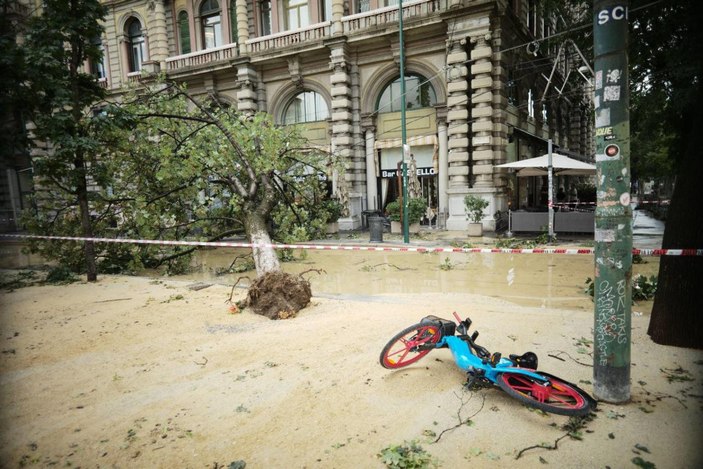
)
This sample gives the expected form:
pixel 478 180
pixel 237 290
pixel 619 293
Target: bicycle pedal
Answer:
pixel 495 359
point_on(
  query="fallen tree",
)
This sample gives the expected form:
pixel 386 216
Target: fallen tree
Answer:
pixel 192 165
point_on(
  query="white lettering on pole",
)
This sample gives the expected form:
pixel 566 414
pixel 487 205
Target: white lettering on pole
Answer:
pixel 618 13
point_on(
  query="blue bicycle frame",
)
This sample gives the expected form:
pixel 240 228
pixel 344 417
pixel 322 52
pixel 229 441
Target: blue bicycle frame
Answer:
pixel 468 361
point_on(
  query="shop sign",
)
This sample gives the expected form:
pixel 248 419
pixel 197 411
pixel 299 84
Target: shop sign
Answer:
pixel 426 171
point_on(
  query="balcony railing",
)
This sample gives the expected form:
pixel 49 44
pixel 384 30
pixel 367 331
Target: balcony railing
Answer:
pixel 289 38
pixel 351 24
pixel 201 57
pixel 134 77
pixel 380 16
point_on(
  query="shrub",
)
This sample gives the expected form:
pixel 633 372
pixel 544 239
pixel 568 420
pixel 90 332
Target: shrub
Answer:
pixel 474 207
pixel 416 210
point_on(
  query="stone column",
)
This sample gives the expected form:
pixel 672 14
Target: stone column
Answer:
pixel 358 154
pixel 342 138
pixel 457 115
pixel 458 131
pixel 482 113
pixel 247 96
pixel 242 26
pixel 158 40
pixel 443 177
pixel 337 13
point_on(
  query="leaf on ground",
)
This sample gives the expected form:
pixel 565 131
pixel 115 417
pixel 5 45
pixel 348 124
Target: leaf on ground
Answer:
pixel 639 462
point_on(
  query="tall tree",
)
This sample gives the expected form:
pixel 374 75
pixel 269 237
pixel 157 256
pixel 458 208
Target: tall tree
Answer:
pixel 59 43
pixel 667 70
pixel 13 75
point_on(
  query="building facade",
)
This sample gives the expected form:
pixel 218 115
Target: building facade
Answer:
pixel 479 91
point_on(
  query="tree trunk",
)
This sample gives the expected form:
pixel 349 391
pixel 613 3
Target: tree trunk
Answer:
pixel 676 315
pixel 265 258
pixel 86 223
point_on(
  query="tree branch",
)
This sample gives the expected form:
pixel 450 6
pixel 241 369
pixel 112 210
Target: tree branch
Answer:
pixel 194 248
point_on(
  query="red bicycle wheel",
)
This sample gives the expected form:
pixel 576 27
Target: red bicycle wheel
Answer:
pixel 552 395
pixel 405 348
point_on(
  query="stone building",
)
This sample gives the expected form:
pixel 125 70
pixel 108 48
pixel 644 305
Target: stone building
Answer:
pixel 476 85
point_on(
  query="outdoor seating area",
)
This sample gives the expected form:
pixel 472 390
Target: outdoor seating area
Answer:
pixel 564 221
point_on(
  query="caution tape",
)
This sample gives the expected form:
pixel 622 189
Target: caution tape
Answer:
pixel 337 247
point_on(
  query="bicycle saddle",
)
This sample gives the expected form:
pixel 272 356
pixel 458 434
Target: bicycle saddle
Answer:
pixel 526 360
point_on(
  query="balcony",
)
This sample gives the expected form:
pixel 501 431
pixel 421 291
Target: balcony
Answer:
pixel 289 38
pixel 310 36
pixel 389 15
pixel 201 58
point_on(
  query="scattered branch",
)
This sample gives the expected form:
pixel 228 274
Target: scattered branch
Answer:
pixel 560 352
pixel 319 272
pixel 553 447
pixel 458 413
pixel 573 430
pixel 231 293
pixel 392 265
pixel 203 363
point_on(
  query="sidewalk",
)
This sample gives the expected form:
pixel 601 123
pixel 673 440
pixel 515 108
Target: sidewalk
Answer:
pixel 647 233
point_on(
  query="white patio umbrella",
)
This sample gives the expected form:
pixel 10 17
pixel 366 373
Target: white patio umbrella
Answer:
pixel 561 166
pixel 551 164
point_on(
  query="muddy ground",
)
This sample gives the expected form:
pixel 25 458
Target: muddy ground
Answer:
pixel 138 372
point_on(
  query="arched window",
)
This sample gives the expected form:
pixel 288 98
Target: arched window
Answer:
pixel 212 23
pixel 136 45
pixel 184 32
pixel 307 106
pixel 418 94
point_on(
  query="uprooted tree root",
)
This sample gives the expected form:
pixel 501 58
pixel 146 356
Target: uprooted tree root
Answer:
pixel 278 295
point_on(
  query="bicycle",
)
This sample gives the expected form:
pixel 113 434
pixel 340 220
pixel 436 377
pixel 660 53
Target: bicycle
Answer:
pixel 516 375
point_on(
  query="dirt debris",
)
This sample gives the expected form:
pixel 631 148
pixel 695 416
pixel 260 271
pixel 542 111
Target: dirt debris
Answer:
pixel 278 295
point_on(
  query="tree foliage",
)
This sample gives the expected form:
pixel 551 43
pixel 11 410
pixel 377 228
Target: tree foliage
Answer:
pixel 58 43
pixel 193 168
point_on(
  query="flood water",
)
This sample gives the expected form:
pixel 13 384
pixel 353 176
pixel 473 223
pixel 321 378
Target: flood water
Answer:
pixel 541 280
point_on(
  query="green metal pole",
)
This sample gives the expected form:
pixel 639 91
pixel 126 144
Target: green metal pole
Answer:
pixel 406 225
pixel 613 235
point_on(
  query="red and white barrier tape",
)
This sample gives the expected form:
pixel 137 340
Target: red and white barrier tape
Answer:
pixel 329 247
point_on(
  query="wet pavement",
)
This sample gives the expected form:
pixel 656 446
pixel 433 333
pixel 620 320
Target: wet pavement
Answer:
pixel 540 280
pixel 647 232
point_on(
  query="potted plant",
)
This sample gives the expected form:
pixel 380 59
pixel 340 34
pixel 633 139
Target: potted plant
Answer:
pixel 416 210
pixel 475 206
pixel 332 208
